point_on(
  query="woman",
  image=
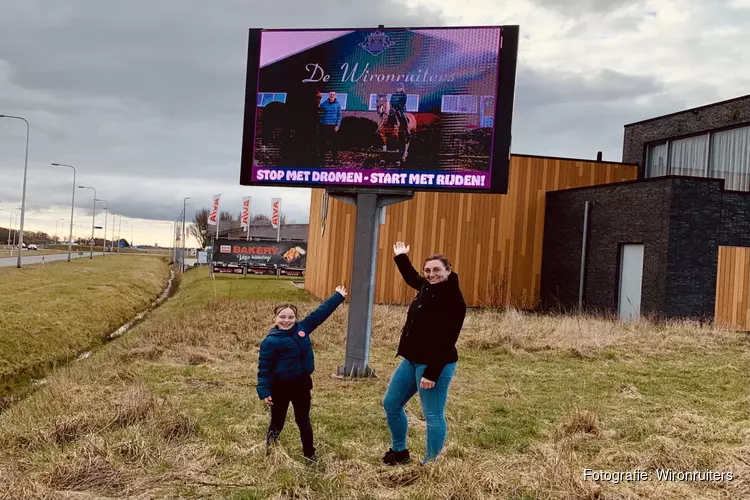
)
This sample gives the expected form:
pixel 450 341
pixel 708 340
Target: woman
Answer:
pixel 428 348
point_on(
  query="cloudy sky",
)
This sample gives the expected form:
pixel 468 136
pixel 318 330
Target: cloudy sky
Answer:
pixel 146 98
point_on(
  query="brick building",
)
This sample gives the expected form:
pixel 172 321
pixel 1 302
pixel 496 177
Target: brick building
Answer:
pixel 675 242
pixel 706 141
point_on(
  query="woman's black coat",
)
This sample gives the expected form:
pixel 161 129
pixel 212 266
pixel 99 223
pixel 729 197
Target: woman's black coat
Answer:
pixel 434 321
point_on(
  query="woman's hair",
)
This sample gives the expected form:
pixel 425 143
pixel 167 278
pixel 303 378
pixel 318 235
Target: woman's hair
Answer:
pixel 439 257
pixel 281 307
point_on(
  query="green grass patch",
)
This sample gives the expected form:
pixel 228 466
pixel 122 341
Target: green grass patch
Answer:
pixel 171 409
pixel 197 289
pixel 51 313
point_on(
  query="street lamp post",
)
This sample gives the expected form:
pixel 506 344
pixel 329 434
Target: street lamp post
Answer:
pixel 72 206
pixel 113 234
pixel 119 235
pixel 106 216
pixel 10 229
pixel 57 225
pixel 62 226
pixel 176 240
pixel 15 236
pixel 184 232
pixel 10 226
pixel 93 220
pixel 23 195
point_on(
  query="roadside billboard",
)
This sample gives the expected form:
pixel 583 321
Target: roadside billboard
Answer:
pixel 413 109
pixel 260 253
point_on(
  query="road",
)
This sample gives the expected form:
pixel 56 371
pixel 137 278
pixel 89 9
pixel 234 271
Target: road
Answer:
pixel 30 258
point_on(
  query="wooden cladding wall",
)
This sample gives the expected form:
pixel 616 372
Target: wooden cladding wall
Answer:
pixel 732 308
pixel 493 241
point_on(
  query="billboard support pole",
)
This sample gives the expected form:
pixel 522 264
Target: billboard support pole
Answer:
pixel 362 288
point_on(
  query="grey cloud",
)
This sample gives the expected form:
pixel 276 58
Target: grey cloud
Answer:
pixel 181 60
pixel 155 199
pixel 574 8
pixel 146 99
pixel 556 112
pixel 142 90
pixel 538 88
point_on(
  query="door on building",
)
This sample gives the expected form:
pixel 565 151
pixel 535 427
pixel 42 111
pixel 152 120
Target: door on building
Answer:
pixel 631 277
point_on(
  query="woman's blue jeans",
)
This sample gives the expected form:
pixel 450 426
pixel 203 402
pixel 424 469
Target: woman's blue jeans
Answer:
pixel 403 386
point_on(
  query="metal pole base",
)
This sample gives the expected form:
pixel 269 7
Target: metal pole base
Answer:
pixel 343 373
pixel 369 206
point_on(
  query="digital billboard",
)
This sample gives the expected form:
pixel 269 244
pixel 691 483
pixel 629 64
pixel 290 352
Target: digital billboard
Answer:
pixel 408 108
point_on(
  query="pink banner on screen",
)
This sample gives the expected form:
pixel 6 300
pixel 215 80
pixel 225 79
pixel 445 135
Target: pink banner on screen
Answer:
pixel 373 178
pixel 280 44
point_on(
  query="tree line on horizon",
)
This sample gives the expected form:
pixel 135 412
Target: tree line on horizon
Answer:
pixel 42 238
pixel 29 237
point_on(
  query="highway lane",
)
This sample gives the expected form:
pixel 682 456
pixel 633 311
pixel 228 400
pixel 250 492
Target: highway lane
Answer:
pixel 29 258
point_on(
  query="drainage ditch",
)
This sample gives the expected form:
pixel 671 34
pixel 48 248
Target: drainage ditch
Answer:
pixel 26 385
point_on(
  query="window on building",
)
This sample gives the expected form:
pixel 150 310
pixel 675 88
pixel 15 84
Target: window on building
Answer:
pixel 719 155
pixel 656 161
pixel 412 102
pixel 460 104
pixel 266 98
pixel 730 158
pixel 341 98
pixel 689 156
pixel 487 111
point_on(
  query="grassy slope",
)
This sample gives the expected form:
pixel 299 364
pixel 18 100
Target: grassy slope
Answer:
pixel 171 410
pixel 51 312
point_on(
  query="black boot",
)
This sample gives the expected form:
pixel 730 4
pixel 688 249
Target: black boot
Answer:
pixel 272 440
pixel 396 457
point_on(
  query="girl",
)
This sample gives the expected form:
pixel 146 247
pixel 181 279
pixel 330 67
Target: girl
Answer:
pixel 428 348
pixel 285 364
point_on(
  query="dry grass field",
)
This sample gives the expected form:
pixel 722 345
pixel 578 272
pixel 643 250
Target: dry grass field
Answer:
pixel 53 312
pixel 170 410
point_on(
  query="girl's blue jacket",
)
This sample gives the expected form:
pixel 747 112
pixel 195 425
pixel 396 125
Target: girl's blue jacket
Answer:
pixel 287 354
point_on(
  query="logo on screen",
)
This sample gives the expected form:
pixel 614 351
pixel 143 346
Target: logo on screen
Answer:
pixel 377 42
pixel 225 249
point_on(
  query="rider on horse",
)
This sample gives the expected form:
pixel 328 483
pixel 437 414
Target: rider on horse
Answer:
pixel 398 108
